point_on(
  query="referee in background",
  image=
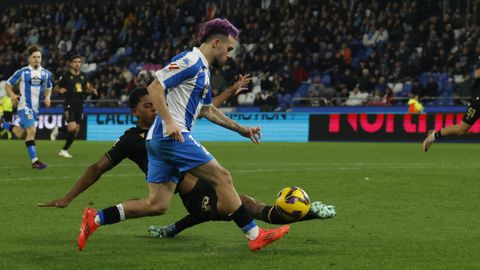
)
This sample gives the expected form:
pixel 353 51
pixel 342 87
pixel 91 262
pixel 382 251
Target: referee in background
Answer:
pixel 74 85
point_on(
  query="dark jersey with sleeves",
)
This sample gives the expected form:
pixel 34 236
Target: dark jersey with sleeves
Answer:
pixel 130 145
pixel 76 86
pixel 473 108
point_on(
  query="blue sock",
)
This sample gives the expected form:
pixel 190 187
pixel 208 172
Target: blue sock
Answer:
pixel 101 217
pixel 249 226
pixel 32 150
pixel 7 125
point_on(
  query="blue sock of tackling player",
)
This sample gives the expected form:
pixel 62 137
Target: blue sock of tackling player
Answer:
pixel 32 150
pixel 245 222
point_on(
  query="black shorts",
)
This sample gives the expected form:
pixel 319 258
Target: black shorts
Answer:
pixel 71 115
pixel 473 111
pixel 202 201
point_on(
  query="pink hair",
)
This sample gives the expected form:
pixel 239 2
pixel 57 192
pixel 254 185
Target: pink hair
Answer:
pixel 217 26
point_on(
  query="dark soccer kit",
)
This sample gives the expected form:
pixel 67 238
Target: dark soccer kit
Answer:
pixel 202 200
pixel 76 86
pixel 130 145
pixel 473 109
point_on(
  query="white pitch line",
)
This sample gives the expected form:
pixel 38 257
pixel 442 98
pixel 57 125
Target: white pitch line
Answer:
pixel 59 166
pixel 340 166
pixel 64 177
pixel 264 170
pixel 300 169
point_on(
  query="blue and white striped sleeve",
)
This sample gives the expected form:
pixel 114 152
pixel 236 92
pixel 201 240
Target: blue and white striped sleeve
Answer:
pixel 179 71
pixel 15 77
pixel 208 98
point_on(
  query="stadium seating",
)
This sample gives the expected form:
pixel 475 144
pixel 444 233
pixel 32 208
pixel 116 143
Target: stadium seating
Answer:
pixel 110 40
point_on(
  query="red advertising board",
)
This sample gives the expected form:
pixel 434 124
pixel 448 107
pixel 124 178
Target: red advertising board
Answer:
pixel 383 127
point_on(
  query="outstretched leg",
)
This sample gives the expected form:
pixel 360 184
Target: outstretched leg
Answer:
pixel 159 197
pixel 433 135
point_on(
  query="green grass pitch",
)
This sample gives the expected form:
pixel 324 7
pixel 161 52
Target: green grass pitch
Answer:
pixel 397 208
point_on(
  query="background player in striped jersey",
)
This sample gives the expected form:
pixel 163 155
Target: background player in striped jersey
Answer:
pixel 33 82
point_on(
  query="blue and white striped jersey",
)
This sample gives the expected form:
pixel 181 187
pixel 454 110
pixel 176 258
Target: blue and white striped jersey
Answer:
pixel 32 83
pixel 186 81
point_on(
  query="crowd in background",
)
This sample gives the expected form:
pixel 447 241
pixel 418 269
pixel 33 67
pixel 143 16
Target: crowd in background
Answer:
pixel 315 53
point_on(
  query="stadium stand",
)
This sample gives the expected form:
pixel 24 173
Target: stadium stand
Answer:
pixel 301 53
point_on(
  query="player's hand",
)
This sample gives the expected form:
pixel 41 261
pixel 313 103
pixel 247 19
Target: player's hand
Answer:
pixel 62 90
pixel 94 91
pixel 174 131
pixel 241 84
pixel 47 102
pixel 253 133
pixel 15 99
pixel 60 203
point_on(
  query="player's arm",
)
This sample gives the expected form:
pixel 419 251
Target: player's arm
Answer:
pixel 157 92
pixel 91 89
pixel 89 177
pixel 48 90
pixel 9 87
pixel 14 97
pixel 236 88
pixel 60 86
pixel 214 115
pixel 59 89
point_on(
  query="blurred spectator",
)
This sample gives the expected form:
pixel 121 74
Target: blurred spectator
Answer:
pixel 417 89
pixel 431 90
pixel 356 97
pixel 364 82
pixel 464 90
pixel 414 105
pixel 218 83
pixel 299 73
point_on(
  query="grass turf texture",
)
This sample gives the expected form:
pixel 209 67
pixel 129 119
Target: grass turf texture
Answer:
pixel 397 208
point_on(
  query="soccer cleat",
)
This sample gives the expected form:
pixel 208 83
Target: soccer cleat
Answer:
pixel 429 140
pixel 88 227
pixel 54 133
pixel 162 231
pixel 265 237
pixel 39 165
pixel 321 210
pixel 64 153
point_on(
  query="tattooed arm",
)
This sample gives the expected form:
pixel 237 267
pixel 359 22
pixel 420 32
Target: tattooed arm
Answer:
pixel 214 115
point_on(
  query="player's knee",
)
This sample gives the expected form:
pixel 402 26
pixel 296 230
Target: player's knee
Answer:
pixel 19 132
pixel 30 133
